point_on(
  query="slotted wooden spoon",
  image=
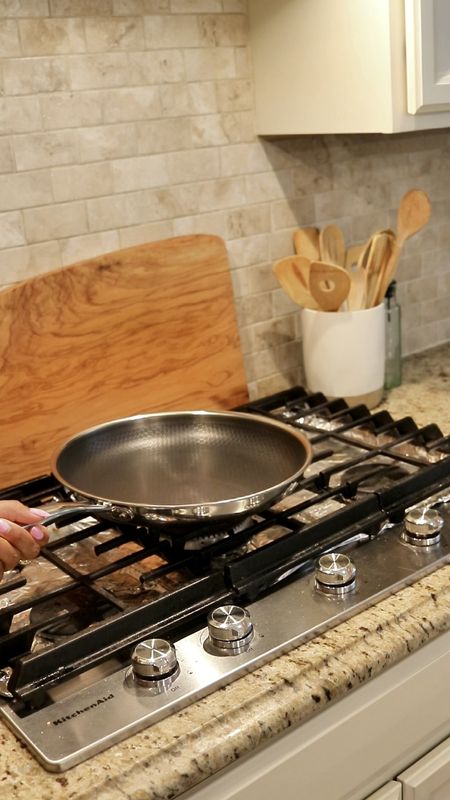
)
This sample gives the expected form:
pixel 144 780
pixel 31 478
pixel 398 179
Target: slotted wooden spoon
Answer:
pixel 306 243
pixel 329 285
pixel 413 214
pixel 292 274
pixel 332 245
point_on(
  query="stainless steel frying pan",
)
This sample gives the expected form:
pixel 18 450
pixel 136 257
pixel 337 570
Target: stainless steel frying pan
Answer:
pixel 180 469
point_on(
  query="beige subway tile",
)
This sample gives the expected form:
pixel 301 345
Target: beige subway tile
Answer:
pixel 235 6
pixel 98 71
pixel 34 150
pixel 109 212
pixel 167 30
pixel 181 99
pixel 80 8
pixel 11 229
pixel 23 8
pixel 272 333
pixel 209 63
pixel 135 208
pixel 363 226
pixel 239 126
pixel 163 135
pixel 123 105
pixel 257 308
pixel 24 190
pixel 78 248
pixel 266 186
pixel 71 109
pixel 435 310
pixel 9 39
pixel 248 221
pixel 221 193
pixel 106 34
pixel 252 154
pixel 260 278
pixel 159 66
pixel 235 95
pixel 223 30
pixel 195 6
pixel 292 213
pixel 275 383
pixel 362 200
pixel 108 141
pixel 248 251
pixel 421 290
pixel 139 6
pixel 141 234
pixel 240 289
pixel 33 75
pixel 82 181
pixel 281 244
pixel 20 263
pixel 213 224
pixel 193 165
pixel 242 62
pixel 141 172
pixel 209 131
pixel 55 221
pixel 19 114
pixel 42 37
pixel 6 155
pixel 282 304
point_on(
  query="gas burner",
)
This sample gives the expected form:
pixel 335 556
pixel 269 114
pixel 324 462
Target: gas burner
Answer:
pixel 69 613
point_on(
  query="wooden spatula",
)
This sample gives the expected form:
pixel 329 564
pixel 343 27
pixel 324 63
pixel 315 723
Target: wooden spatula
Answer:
pixel 332 245
pixel 292 274
pixel 329 285
pixel 378 256
pixel 413 214
pixel 306 243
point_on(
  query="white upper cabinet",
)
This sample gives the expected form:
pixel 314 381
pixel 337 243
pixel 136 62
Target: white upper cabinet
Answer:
pixel 350 66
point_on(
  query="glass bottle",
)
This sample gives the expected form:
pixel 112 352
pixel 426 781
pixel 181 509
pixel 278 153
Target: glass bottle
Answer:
pixel 393 368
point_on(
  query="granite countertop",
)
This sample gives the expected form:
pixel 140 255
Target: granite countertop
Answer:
pixel 181 751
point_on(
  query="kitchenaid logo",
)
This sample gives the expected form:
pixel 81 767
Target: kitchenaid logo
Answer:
pixel 79 711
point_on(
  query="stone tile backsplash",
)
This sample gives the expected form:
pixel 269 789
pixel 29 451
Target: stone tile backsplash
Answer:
pixel 126 121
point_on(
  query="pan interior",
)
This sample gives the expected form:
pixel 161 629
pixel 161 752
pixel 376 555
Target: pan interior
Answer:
pixel 180 459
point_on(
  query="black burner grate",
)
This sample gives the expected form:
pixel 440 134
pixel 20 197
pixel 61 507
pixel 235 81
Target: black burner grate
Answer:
pixel 366 470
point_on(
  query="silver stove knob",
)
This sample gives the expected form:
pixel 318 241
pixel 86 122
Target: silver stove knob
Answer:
pixel 154 660
pixel 335 573
pixel 230 628
pixel 422 526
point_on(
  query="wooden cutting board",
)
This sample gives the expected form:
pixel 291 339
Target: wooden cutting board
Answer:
pixel 143 329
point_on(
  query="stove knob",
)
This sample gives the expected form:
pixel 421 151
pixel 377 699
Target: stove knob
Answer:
pixel 154 660
pixel 422 526
pixel 335 573
pixel 230 628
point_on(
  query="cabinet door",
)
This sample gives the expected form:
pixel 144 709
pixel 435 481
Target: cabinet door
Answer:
pixel 429 778
pixel 391 791
pixel 427 26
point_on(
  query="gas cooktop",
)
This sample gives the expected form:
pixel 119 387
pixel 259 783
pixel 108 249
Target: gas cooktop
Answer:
pixel 112 628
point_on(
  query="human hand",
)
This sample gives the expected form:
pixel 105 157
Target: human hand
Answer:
pixel 16 543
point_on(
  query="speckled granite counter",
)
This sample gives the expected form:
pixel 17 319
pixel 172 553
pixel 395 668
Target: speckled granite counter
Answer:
pixel 178 753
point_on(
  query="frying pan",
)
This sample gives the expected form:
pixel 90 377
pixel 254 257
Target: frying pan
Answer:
pixel 180 469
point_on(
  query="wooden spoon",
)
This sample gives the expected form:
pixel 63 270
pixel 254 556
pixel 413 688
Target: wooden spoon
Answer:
pixel 306 243
pixel 381 245
pixel 329 285
pixel 413 214
pixel 293 276
pixel 352 256
pixel 332 245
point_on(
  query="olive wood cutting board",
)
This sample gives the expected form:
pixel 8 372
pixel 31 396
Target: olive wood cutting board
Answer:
pixel 144 329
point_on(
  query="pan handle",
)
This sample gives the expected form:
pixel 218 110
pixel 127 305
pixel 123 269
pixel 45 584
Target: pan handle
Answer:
pixel 59 511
